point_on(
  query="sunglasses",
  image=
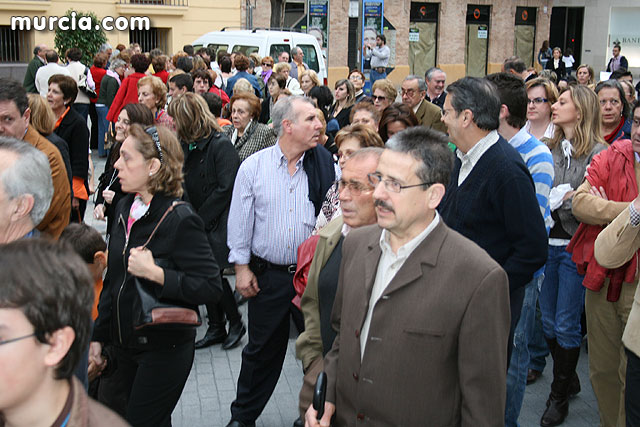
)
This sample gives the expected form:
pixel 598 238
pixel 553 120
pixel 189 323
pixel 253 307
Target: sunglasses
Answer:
pixel 265 64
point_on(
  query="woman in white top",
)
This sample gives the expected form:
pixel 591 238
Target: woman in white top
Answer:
pixel 542 95
pixel 292 84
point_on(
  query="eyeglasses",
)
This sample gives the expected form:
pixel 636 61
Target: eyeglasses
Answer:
pixel 24 337
pixel 391 185
pixel 356 77
pixel 408 92
pixel 378 98
pixel 355 188
pixel 614 102
pixel 265 64
pixel 537 101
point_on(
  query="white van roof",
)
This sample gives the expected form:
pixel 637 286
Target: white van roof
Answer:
pixel 250 35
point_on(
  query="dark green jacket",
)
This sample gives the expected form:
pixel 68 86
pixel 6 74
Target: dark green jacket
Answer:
pixel 108 89
pixel 29 82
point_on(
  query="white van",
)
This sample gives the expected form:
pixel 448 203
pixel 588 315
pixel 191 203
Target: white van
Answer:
pixel 266 43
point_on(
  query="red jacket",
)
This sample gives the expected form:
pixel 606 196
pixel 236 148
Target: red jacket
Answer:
pixel 127 94
pixel 162 75
pixel 97 74
pixel 222 94
pixel 612 169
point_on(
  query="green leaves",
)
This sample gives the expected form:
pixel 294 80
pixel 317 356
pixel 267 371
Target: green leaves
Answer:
pixel 82 34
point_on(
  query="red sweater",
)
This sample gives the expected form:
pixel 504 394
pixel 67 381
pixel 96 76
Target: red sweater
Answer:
pixel 97 74
pixel 612 169
pixel 127 94
pixel 162 75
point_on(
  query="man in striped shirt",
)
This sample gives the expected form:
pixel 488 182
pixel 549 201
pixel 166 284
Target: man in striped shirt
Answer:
pixel 273 210
pixel 537 157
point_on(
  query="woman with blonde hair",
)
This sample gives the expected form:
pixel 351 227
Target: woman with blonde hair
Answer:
pixel 292 84
pixel 308 80
pixel 153 93
pixel 210 167
pixel 344 98
pixel 577 138
pixel 42 119
pixel 160 245
pixel 585 75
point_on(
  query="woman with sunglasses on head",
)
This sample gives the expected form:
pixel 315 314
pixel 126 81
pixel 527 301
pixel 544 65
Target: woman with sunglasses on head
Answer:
pixel 109 192
pixel 577 139
pixel 541 94
pixel 162 246
pixel 210 167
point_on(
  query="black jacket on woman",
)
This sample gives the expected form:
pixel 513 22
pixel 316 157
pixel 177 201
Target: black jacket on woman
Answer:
pixel 561 71
pixel 342 117
pixel 193 278
pixel 109 181
pixel 210 168
pixel 74 130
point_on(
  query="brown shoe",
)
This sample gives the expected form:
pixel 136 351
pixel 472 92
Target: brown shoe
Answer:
pixel 532 376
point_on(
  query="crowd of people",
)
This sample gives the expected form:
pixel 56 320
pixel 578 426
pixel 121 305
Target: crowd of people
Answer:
pixel 432 244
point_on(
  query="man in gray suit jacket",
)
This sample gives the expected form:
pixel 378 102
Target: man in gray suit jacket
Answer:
pixel 421 312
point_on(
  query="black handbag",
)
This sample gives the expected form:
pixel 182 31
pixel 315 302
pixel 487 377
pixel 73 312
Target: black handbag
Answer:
pixel 151 311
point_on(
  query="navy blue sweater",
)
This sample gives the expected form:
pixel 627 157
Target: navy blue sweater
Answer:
pixel 496 207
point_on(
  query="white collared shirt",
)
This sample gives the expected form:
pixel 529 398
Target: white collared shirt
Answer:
pixel 390 263
pixel 417 107
pixel 470 159
pixel 548 133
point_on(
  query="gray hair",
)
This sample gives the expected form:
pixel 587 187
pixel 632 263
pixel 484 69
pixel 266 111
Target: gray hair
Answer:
pixel 283 110
pixel 430 148
pixel 105 47
pixel 422 86
pixel 30 174
pixel 365 153
pixel 479 96
pixel 431 71
pixel 116 63
pixel 298 49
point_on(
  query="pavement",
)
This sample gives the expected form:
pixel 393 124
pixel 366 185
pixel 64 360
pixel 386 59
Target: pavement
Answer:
pixel 211 386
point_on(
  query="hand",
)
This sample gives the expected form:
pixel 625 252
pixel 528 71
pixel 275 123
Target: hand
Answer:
pixel 98 212
pixel 311 417
pixel 108 196
pixel 599 192
pixel 141 264
pixel 96 363
pixel 75 203
pixel 246 282
pixel 568 195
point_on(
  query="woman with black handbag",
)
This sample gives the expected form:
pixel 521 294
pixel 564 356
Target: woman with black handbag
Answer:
pixel 160 262
pixel 210 167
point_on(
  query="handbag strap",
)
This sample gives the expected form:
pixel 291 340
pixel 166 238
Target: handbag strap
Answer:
pixel 169 209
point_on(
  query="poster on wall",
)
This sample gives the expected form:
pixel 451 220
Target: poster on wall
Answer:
pixel 371 25
pixel 623 25
pixel 318 22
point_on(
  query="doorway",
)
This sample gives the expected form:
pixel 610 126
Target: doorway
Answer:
pixel 423 35
pixel 477 40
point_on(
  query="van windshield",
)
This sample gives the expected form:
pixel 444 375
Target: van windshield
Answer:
pixel 310 57
pixel 276 49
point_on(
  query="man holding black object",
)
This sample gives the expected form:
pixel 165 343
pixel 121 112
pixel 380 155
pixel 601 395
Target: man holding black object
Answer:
pixel 421 312
pixel 276 197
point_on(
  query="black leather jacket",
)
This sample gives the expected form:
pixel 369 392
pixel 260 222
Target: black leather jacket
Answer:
pixel 181 242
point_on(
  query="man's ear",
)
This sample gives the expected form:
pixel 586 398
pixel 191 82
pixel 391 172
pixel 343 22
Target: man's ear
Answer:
pixel 100 259
pixel 435 195
pixel 60 342
pixel 23 206
pixel 504 111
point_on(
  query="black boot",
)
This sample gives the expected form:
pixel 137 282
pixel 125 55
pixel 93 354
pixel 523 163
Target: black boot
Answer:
pixel 236 327
pixel 564 368
pixel 216 332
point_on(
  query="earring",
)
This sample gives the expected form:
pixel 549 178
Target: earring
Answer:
pixel 150 173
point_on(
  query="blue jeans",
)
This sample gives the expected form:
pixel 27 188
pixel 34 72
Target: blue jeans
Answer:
pixel 562 299
pixel 519 366
pixel 103 125
pixel 538 348
pixel 374 75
